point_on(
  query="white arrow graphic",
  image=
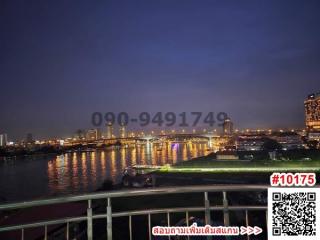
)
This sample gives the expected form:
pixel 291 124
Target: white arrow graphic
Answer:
pixel 243 230
pixel 250 230
pixel 257 230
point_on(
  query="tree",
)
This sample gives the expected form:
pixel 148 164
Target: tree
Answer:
pixel 271 145
pixel 312 144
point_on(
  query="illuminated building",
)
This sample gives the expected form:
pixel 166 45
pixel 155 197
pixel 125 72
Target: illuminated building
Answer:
pixel 314 136
pixel 109 134
pixel 3 140
pixel 312 112
pixel 122 131
pixel 249 142
pixel 93 134
pixel 288 140
pixel 227 127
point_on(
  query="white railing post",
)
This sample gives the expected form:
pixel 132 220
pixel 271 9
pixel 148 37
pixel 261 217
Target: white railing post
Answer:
pixel 247 223
pixel 267 218
pixel 149 227
pixel 67 231
pixel 168 221
pixel 45 232
pixel 109 220
pixel 89 221
pixel 22 234
pixel 225 209
pixel 207 208
pixel 187 222
pixel 207 211
pixel 130 227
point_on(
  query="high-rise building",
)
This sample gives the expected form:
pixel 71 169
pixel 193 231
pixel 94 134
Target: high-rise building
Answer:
pixel 3 140
pixel 109 127
pixel 312 112
pixel 227 127
pixel 122 131
pixel 92 134
pixel 99 133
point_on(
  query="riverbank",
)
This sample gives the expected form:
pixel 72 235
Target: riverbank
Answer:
pixel 209 170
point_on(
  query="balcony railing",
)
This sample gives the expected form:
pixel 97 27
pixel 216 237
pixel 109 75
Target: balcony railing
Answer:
pixel 108 197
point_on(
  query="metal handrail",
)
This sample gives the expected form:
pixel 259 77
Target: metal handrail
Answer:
pixel 131 193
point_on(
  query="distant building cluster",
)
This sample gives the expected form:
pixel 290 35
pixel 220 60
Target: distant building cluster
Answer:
pixel 255 142
pixel 235 139
pixel 96 134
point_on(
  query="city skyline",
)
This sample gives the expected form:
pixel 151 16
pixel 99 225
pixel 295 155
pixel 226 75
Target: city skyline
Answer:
pixel 149 119
pixel 60 62
pixel 119 130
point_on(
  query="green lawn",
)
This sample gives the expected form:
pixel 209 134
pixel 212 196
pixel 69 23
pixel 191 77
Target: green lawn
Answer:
pixel 209 165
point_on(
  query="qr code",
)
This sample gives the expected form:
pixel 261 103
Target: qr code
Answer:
pixel 292 212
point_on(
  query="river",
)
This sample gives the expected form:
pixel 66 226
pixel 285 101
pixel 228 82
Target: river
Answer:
pixel 45 176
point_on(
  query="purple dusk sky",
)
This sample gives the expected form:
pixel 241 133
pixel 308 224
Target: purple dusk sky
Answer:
pixel 62 60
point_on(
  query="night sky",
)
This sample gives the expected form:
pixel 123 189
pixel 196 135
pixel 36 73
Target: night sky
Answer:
pixel 62 60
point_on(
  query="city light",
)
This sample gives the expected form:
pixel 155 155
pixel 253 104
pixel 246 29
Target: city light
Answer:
pixel 122 117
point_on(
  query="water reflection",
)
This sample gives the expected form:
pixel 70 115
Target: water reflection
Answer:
pixel 84 172
pixel 109 164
